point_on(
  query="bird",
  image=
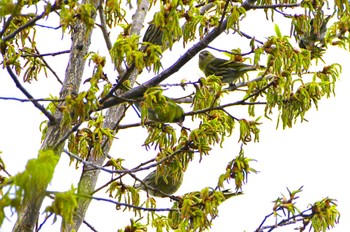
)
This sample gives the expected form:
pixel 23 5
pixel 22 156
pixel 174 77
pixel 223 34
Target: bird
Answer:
pixel 162 185
pixel 153 35
pixel 228 70
pixel 308 40
pixel 163 111
pixel 197 199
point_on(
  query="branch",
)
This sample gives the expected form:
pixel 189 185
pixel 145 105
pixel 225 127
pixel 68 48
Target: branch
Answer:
pixel 138 168
pixel 7 23
pixel 293 5
pixel 31 100
pixel 105 34
pixel 129 205
pixel 41 57
pixel 284 222
pixel 191 52
pixel 224 12
pixel 90 226
pixel 120 127
pixel 240 102
pixel 51 118
pixel 46 54
pixel 139 90
pixel 28 24
pixel 63 138
pixel 87 163
pixel 45 220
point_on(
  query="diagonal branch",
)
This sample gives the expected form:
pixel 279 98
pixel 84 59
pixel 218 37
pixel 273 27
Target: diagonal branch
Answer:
pixel 240 102
pixel 51 118
pixel 28 24
pixel 191 52
pixel 31 100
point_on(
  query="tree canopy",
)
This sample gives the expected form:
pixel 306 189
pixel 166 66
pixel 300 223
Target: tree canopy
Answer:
pixel 114 67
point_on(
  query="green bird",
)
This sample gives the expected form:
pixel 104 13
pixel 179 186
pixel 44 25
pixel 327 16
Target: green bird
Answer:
pixel 229 70
pixel 153 35
pixel 308 40
pixel 197 199
pixel 163 111
pixel 158 186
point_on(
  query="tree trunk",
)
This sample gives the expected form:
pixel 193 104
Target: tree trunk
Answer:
pixel 114 115
pixel 81 38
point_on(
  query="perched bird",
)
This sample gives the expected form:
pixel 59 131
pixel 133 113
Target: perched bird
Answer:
pixel 308 40
pixel 227 69
pixel 166 111
pixel 163 184
pixel 153 35
pixel 199 200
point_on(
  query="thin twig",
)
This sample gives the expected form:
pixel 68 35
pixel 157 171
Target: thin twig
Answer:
pixel 224 11
pixel 130 205
pixel 46 54
pixel 103 28
pixel 31 100
pixel 48 27
pixel 275 6
pixel 42 224
pixel 232 53
pixel 240 102
pixel 51 118
pixel 41 57
pixel 63 139
pixel 28 24
pixel 87 163
pixel 7 23
pixel 89 225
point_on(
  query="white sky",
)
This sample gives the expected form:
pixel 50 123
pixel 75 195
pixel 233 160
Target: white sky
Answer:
pixel 312 154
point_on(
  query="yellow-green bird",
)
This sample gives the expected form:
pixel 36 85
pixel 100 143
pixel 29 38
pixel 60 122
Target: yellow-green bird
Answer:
pixel 197 199
pixel 308 40
pixel 228 70
pixel 153 35
pixel 161 184
pixel 166 111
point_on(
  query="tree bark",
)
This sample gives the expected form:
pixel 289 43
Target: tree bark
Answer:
pixel 114 115
pixel 81 38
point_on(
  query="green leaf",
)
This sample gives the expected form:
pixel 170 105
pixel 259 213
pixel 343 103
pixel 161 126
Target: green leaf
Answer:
pixel 278 31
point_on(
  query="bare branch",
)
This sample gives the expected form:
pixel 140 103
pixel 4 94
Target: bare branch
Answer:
pixel 31 100
pixel 129 205
pixel 45 220
pixel 87 163
pixel 105 34
pixel 103 27
pixel 90 226
pixel 46 54
pixel 51 118
pixel 274 6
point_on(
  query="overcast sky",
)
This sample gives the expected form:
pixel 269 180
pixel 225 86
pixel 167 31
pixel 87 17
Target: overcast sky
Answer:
pixel 312 154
